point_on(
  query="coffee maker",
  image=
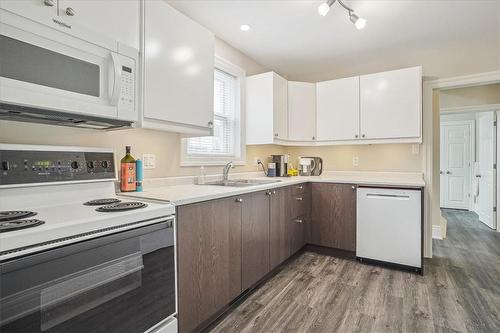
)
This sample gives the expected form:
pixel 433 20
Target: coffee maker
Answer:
pixel 281 162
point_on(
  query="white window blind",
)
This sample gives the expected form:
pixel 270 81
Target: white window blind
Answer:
pixel 222 143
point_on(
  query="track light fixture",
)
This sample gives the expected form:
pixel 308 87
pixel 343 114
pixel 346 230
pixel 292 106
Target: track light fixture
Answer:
pixel 324 8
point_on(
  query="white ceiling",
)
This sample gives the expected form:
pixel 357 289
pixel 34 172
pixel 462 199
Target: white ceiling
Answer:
pixel 447 37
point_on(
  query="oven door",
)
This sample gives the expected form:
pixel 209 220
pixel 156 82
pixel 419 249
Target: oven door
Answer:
pixel 119 283
pixel 44 68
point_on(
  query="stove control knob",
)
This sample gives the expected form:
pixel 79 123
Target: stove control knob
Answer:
pixel 5 165
pixel 90 164
pixel 105 164
pixel 75 165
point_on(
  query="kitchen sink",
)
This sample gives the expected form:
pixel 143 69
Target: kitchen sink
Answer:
pixel 242 182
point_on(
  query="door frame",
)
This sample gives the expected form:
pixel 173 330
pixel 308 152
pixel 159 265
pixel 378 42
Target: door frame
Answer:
pixel 430 145
pixel 472 153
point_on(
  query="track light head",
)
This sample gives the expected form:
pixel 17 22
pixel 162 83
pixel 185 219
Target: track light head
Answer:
pixel 359 22
pixel 324 8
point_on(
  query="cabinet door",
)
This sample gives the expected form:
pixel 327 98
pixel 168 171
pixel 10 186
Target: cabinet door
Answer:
pixel 209 254
pixel 37 10
pixel 337 109
pixel 280 90
pixel 99 17
pixel 279 249
pixel 391 104
pixel 259 109
pixel 178 68
pixel 255 238
pixel 333 216
pixel 301 111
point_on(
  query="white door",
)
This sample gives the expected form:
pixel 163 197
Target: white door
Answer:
pixel 280 106
pixel 301 111
pixel 486 159
pixel 391 104
pixel 337 109
pixel 455 165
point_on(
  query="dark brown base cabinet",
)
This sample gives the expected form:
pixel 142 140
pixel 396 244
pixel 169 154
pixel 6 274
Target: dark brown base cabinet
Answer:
pixel 226 246
pixel 333 216
pixel 209 259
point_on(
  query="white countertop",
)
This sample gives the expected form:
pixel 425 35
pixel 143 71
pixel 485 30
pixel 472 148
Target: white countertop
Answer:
pixel 182 191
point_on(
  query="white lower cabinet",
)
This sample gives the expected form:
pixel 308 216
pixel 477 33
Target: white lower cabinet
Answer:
pixel 178 69
pixel 337 109
pixel 391 104
pixel 301 111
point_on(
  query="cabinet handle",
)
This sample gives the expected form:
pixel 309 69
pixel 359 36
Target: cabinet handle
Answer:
pixel 298 220
pixel 268 192
pixel 300 187
pixel 353 187
pixel 70 11
pixel 314 138
pixel 441 172
pixel 274 192
pixel 49 3
pixel 210 124
pixel 240 200
pixel 276 134
pixel 356 136
pixel 448 172
pixel 299 198
pixel 362 135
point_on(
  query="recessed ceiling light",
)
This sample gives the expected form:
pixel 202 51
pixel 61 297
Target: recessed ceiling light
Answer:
pixel 244 27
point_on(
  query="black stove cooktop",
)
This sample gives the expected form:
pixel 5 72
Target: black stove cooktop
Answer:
pixel 7 226
pixel 10 215
pixel 101 202
pixel 122 206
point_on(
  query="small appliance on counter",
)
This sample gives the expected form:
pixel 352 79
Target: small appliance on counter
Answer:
pixel 281 164
pixel 310 166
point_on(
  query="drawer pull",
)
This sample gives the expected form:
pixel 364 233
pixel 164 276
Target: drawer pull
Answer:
pixel 274 192
pixel 298 220
pixel 299 198
pixel 300 187
pixel 239 200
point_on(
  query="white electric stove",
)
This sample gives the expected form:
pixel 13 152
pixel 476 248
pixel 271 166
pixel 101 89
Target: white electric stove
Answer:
pixel 92 251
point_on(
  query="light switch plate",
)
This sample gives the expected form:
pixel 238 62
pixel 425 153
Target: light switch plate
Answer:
pixel 149 161
pixel 355 161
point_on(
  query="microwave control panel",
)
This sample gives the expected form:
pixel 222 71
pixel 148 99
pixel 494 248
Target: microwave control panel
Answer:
pixel 127 93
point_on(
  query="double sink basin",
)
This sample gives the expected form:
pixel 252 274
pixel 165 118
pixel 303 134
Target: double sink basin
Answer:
pixel 242 182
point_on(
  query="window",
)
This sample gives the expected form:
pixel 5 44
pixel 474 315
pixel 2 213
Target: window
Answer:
pixel 227 143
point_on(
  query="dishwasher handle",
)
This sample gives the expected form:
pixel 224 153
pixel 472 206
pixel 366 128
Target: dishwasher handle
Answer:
pixel 388 196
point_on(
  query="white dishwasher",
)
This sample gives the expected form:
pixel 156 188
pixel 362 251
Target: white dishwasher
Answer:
pixel 389 226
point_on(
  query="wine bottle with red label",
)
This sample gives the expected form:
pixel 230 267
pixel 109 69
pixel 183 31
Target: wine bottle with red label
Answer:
pixel 128 172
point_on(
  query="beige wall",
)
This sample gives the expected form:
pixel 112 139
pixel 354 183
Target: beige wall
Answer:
pixel 471 96
pixel 384 157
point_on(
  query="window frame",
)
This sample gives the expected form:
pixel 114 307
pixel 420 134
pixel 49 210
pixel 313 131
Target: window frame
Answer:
pixel 239 156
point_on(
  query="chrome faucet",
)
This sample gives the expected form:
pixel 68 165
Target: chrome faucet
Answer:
pixel 225 171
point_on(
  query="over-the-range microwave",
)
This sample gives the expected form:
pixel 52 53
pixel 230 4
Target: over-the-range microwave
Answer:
pixel 72 79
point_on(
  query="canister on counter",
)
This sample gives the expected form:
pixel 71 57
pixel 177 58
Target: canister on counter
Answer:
pixel 140 175
pixel 271 169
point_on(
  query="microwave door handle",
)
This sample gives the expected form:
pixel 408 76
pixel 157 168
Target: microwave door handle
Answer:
pixel 115 79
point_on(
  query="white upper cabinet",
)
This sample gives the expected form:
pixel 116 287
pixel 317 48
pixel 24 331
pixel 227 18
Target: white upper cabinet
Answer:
pixel 301 111
pixel 178 85
pixel 266 108
pixel 391 104
pixel 79 16
pixel 117 19
pixel 337 109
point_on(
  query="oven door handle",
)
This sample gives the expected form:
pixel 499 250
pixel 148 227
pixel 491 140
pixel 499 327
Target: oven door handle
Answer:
pixel 115 79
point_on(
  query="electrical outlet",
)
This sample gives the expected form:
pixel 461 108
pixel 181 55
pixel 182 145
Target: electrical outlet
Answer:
pixel 257 160
pixel 355 161
pixel 149 161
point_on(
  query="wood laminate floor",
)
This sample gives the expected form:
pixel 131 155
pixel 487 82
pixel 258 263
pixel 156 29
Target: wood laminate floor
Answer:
pixel 460 291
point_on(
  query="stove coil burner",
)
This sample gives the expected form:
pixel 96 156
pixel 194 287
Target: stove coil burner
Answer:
pixel 19 224
pixel 15 215
pixel 122 206
pixel 101 202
